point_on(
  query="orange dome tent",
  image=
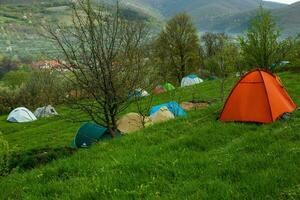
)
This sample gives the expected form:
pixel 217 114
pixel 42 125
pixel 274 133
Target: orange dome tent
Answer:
pixel 259 97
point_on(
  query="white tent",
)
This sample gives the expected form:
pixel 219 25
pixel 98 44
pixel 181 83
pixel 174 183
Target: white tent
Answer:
pixel 46 111
pixel 190 80
pixel 145 93
pixel 141 93
pixel 20 115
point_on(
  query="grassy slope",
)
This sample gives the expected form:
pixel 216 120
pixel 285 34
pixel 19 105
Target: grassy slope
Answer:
pixel 188 158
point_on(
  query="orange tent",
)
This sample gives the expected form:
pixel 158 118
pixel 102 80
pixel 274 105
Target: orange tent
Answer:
pixel 259 97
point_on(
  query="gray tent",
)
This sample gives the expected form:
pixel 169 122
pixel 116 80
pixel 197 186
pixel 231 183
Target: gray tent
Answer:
pixel 46 111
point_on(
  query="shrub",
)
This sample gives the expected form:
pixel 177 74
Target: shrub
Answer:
pixel 4 156
pixel 37 88
pixel 42 88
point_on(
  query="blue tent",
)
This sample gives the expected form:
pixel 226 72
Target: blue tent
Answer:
pixel 192 76
pixel 173 106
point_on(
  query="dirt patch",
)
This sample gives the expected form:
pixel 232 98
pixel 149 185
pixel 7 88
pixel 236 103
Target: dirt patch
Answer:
pixel 290 69
pixel 192 105
pixel 37 157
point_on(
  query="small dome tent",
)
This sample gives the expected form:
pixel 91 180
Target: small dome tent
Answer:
pixel 172 106
pixel 140 93
pixel 46 111
pixel 159 90
pixel 132 122
pixel 191 79
pixel 259 97
pixel 162 115
pixel 21 115
pixel 169 87
pixel 88 134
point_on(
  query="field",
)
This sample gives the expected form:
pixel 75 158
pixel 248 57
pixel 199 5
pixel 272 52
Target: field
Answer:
pixel 195 157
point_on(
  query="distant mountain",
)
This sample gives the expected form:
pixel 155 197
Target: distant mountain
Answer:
pixel 288 19
pixel 230 16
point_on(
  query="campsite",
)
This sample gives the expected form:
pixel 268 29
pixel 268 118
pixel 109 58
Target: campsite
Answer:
pixel 116 109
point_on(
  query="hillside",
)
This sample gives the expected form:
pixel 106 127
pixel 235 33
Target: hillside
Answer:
pixel 199 9
pixel 21 25
pixel 288 19
pixel 232 16
pixel 196 157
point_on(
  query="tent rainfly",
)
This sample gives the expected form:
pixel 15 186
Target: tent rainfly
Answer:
pixel 260 97
pixel 21 115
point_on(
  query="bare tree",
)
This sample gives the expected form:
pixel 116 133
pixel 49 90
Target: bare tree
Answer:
pixel 104 55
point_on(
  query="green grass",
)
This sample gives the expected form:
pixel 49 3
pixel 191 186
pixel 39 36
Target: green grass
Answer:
pixel 196 157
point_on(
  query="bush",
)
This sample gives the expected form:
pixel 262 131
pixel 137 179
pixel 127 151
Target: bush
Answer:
pixel 39 88
pixel 4 156
pixel 42 88
pixel 15 79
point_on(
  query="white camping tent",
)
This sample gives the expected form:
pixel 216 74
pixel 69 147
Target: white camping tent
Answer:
pixel 46 111
pixel 141 93
pixel 190 80
pixel 20 115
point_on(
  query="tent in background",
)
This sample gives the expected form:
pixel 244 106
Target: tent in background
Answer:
pixel 140 93
pixel 162 115
pixel 21 115
pixel 173 106
pixel 259 96
pixel 159 90
pixel 191 79
pixel 132 122
pixel 46 111
pixel 168 87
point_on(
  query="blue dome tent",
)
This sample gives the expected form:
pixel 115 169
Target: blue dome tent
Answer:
pixel 173 106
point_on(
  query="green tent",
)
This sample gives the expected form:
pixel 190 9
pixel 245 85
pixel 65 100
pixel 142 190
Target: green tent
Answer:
pixel 211 78
pixel 89 133
pixel 169 87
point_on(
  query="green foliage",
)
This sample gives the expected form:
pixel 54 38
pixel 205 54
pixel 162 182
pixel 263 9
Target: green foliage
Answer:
pixel 7 64
pixel 15 79
pixel 261 47
pixel 44 87
pixel 32 89
pixel 220 49
pixel 4 156
pixel 177 47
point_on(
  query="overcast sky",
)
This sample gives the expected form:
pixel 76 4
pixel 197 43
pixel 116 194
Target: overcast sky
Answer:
pixel 284 1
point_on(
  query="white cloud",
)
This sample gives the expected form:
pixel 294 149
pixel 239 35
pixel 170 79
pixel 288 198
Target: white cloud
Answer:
pixel 284 1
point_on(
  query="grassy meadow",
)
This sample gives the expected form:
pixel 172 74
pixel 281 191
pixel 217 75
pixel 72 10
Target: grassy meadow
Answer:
pixel 195 157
